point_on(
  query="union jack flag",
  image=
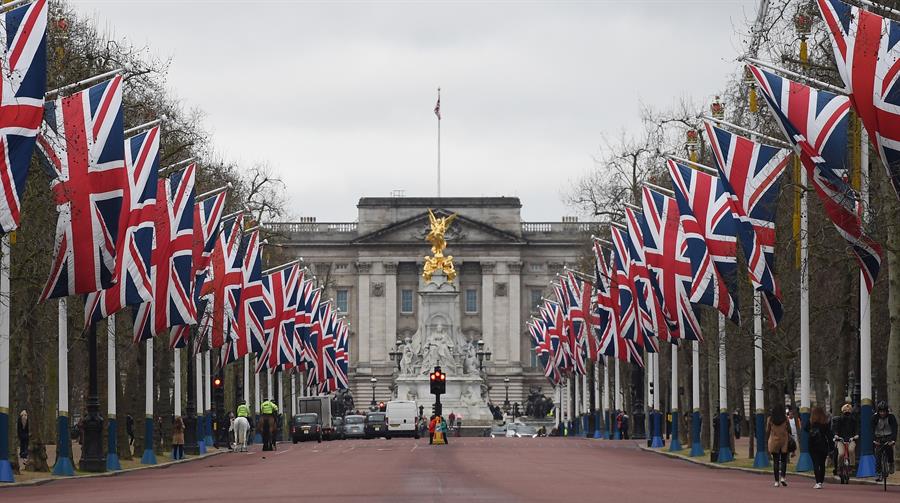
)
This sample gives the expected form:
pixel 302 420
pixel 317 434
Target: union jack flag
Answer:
pixel 868 58
pixel 550 340
pixel 606 311
pixel 706 217
pixel 307 306
pixel 280 290
pixel 342 354
pixel 578 303
pixel 653 315
pixel 21 102
pixel 560 331
pixel 83 144
pixel 133 285
pixel 252 310
pixel 207 216
pixel 612 342
pixel 320 337
pixel 815 122
pixel 222 287
pixel 664 249
pixel 631 313
pixel 750 173
pixel 541 344
pixel 170 262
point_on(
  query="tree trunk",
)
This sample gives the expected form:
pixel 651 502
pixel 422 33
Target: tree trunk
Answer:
pixel 892 250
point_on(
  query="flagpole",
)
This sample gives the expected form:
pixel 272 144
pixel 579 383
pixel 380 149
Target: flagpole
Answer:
pixel 257 435
pixel 867 458
pixel 725 453
pixel 598 412
pixel 149 457
pixel 604 399
pixel 804 462
pixel 112 455
pixel 696 443
pixel 63 464
pixel 198 391
pixel 208 401
pixel 438 112
pixel 246 380
pixel 618 400
pixel 675 442
pixel 761 459
pixel 6 473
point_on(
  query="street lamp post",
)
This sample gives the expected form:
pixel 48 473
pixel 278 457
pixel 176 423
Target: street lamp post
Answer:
pixel 397 354
pixel 506 399
pixel 482 355
pixel 373 381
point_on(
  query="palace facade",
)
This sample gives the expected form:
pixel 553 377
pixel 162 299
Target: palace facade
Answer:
pixel 372 269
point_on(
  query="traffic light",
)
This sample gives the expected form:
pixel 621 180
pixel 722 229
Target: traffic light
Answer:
pixel 217 382
pixel 438 382
pixel 381 407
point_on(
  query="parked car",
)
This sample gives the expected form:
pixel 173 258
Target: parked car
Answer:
pixel 377 426
pixel 337 431
pixel 306 427
pixel 498 430
pixel 355 426
pixel 514 430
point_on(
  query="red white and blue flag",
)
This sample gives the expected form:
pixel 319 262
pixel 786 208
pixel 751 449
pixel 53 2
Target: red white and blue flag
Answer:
pixel 83 144
pixel 653 315
pixel 867 54
pixel 207 216
pixel 815 122
pixel 252 310
pixel 320 338
pixel 550 344
pixel 280 290
pixel 710 232
pixel 664 250
pixel 633 317
pixel 606 313
pixel 612 342
pixel 133 284
pixel 540 342
pixel 578 301
pixel 307 306
pixel 221 289
pixel 170 262
pixel 342 354
pixel 21 102
pixel 750 173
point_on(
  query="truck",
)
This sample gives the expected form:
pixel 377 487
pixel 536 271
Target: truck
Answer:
pixel 321 406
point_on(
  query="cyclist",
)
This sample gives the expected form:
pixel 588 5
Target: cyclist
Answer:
pixel 846 432
pixel 884 426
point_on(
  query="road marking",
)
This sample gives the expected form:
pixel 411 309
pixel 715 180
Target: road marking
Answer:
pixel 350 449
pixel 279 453
pixel 414 447
pixel 385 449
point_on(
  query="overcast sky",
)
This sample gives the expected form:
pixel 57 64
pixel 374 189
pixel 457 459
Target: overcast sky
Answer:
pixel 338 96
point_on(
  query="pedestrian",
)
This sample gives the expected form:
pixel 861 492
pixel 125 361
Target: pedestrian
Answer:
pixel 736 421
pixel 846 432
pixel 129 429
pixel 625 426
pixel 431 427
pixel 22 431
pixel 178 438
pixel 452 419
pixel 444 429
pixel 778 432
pixel 820 442
pixel 884 426
pixel 162 438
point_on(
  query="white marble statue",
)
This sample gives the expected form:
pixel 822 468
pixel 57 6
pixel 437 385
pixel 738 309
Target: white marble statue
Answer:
pixel 470 365
pixel 407 366
pixel 438 352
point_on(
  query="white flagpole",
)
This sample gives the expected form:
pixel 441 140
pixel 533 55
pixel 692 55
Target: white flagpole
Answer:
pixel 604 399
pixel 696 443
pixel 6 474
pixel 293 395
pixel 675 442
pixel 176 360
pixel 804 461
pixel 598 412
pixel 149 457
pixel 112 457
pixel 63 464
pixel 198 384
pixel 725 453
pixel 576 401
pixel 761 459
pixel 867 458
pixel 208 404
pixel 246 383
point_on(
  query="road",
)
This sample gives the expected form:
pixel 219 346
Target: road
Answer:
pixel 469 469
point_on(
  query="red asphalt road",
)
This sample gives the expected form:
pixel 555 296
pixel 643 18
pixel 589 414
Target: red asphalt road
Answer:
pixel 469 469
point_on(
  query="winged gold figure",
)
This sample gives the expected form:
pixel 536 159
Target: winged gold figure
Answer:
pixel 435 236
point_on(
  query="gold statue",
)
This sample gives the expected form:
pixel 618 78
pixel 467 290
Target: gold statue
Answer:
pixel 438 261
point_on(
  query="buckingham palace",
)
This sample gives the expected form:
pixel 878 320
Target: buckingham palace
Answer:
pixel 372 269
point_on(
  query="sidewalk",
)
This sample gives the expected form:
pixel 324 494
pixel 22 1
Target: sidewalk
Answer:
pixel 130 465
pixel 744 463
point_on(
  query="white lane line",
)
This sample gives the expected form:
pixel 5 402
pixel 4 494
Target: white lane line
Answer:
pixel 279 453
pixel 414 447
pixel 348 450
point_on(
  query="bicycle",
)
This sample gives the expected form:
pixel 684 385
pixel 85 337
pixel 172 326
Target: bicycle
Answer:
pixel 881 454
pixel 843 459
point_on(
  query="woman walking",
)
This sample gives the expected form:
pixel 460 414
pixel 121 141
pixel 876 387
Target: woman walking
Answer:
pixel 178 438
pixel 820 439
pixel 779 432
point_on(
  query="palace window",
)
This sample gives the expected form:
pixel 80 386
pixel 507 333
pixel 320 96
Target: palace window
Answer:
pixel 536 294
pixel 406 301
pixel 341 300
pixel 471 300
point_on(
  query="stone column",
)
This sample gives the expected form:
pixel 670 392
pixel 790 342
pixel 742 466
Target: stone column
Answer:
pixel 390 305
pixel 487 309
pixel 515 311
pixel 365 350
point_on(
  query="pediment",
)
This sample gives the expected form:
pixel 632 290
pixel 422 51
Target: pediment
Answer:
pixel 463 230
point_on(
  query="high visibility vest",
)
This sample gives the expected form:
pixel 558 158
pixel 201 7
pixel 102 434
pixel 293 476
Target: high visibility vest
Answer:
pixel 243 411
pixel 267 407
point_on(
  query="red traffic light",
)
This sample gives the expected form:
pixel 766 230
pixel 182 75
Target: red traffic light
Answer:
pixel 443 376
pixel 217 382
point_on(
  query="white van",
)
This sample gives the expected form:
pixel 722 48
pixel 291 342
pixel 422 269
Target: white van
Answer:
pixel 401 418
